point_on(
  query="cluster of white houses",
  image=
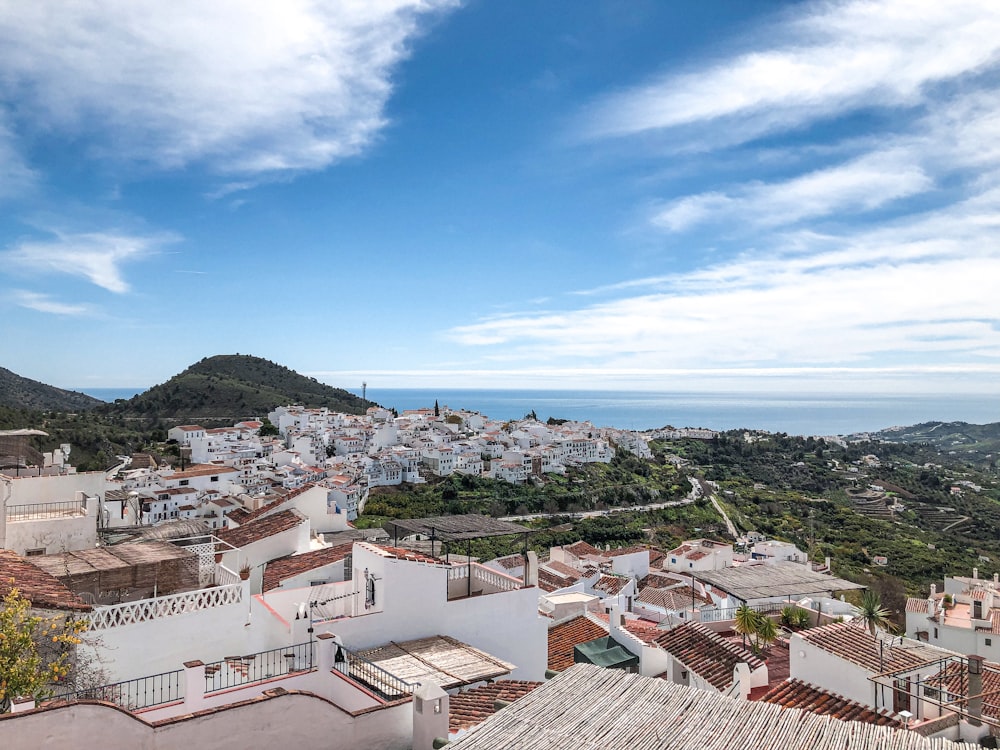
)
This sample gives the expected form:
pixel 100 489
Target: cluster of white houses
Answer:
pixel 287 625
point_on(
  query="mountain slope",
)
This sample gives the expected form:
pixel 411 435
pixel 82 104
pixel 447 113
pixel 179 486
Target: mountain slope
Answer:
pixel 975 442
pixel 228 388
pixel 18 392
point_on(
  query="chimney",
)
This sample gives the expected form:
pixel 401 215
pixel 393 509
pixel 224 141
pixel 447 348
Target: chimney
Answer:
pixel 975 574
pixel 430 715
pixel 975 694
pixel 826 561
pixel 933 590
pixel 531 569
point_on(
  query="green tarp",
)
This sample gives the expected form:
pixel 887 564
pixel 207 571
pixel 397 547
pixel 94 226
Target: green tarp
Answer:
pixel 604 652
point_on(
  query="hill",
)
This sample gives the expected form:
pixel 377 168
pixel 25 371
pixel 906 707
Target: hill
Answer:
pixel 978 443
pixel 18 392
pixel 227 388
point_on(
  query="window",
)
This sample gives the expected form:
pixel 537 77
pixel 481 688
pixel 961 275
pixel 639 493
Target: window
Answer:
pixel 34 552
pixel 989 641
pixel 214 479
pixel 935 633
pixel 184 483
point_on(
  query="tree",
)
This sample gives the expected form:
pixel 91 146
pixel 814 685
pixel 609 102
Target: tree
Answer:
pixel 437 409
pixel 267 429
pixel 34 650
pixel 745 622
pixel 766 632
pixel 872 613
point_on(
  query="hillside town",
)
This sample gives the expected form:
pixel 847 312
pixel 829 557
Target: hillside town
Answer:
pixel 233 590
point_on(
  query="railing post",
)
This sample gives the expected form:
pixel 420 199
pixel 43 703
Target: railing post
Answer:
pixel 326 649
pixel 194 685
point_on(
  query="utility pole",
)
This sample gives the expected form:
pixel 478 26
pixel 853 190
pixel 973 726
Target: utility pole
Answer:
pixel 364 397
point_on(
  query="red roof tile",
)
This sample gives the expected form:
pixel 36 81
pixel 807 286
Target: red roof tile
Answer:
pixel 917 605
pixel 261 528
pixel 565 635
pixel 706 653
pixel 284 568
pixel 855 644
pixel 468 709
pixel 42 589
pixel 798 694
pixel 611 585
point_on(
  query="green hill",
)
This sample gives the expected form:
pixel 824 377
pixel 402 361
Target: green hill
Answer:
pixel 978 443
pixel 227 388
pixel 17 392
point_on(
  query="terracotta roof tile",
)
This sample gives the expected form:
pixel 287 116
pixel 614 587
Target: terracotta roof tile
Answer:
pixel 855 644
pixel 262 528
pixel 549 581
pixel 706 653
pixel 562 569
pixel 284 568
pixel 201 470
pixel 42 589
pixel 468 709
pixel 611 584
pixel 565 635
pixel 677 599
pixel 581 548
pixel 917 605
pixel 798 694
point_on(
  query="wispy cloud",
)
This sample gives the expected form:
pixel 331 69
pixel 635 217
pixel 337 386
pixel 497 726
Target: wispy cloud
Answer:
pixel 96 256
pixel 247 88
pixel 863 184
pixel 15 174
pixel 830 58
pixel 906 290
pixel 46 304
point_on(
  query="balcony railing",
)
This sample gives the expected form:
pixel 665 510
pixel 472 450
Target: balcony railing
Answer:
pixel 234 671
pixel 130 613
pixel 134 695
pixel 729 613
pixel 385 685
pixel 40 511
pixel 488 577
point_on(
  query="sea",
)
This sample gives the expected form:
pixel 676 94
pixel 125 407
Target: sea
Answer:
pixel 795 414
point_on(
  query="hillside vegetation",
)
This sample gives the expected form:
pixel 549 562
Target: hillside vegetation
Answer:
pixel 228 388
pixel 978 443
pixel 17 392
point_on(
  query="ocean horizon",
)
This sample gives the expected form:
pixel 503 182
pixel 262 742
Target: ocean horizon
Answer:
pixel 794 414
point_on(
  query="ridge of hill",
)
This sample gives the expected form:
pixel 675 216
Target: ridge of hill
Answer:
pixel 229 387
pixel 18 392
pixel 976 442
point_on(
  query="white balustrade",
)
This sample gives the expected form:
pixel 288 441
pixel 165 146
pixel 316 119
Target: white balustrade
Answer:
pixel 130 613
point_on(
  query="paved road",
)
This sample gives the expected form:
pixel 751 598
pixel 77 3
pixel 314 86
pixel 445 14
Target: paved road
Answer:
pixel 691 497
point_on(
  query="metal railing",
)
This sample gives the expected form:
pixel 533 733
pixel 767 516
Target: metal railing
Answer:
pixel 129 613
pixel 135 695
pixel 234 671
pixel 385 685
pixel 729 613
pixel 38 511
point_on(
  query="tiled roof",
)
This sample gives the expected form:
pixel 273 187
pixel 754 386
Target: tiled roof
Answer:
pixel 42 589
pixel 706 653
pixel 271 506
pixel 562 569
pixel 917 605
pixel 284 568
pixel 658 580
pixel 549 581
pixel 510 562
pixel 855 644
pixel 467 709
pixel 581 548
pixel 611 584
pixel 565 635
pixel 798 694
pixel 399 553
pixel 200 470
pixel 261 528
pixel 676 599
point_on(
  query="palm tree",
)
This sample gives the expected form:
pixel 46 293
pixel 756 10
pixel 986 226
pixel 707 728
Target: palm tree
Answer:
pixel 872 613
pixel 745 621
pixel 767 632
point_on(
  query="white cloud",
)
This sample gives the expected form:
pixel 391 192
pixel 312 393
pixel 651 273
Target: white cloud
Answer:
pixel 44 303
pixel 249 88
pixel 862 184
pixel 914 289
pixel 835 57
pixel 15 174
pixel 95 256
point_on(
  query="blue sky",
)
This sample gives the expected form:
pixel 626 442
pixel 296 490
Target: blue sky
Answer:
pixel 713 195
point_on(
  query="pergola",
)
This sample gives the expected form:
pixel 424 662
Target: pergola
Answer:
pixel 451 529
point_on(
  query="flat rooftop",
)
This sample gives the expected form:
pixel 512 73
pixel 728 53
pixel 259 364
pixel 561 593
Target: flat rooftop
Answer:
pixel 776 579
